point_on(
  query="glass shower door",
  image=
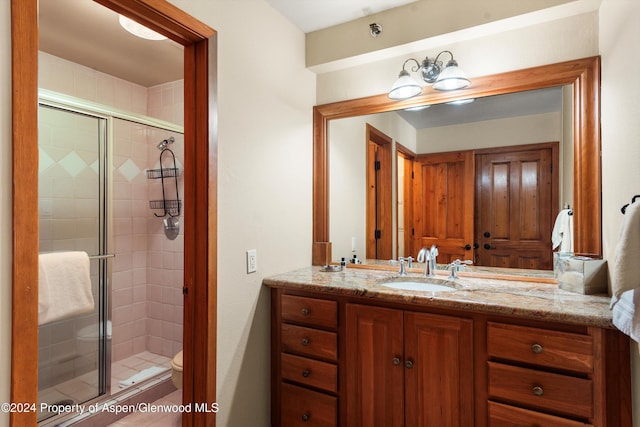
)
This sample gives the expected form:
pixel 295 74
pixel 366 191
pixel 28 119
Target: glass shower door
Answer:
pixel 73 344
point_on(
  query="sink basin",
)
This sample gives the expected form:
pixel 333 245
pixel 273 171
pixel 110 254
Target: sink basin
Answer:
pixel 430 284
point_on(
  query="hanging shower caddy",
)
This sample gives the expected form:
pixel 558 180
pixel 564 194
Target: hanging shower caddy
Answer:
pixel 170 207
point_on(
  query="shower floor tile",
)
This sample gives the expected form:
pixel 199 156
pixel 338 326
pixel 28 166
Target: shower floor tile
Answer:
pixel 125 368
pixel 84 387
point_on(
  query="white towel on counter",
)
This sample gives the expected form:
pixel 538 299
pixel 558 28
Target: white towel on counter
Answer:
pixel 64 286
pixel 562 234
pixel 625 274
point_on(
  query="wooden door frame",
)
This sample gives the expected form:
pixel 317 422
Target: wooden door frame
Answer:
pixel 200 182
pixel 384 141
pixel 407 154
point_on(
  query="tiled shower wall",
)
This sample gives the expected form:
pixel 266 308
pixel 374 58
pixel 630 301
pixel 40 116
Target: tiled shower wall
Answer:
pixel 147 270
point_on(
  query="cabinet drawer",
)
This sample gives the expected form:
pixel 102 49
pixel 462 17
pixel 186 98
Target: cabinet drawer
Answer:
pixel 309 342
pixel 508 416
pixel 541 347
pixel 541 390
pixel 312 311
pixel 305 408
pixel 310 372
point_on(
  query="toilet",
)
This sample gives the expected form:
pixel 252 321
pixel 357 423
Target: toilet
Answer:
pixel 176 370
pixel 87 340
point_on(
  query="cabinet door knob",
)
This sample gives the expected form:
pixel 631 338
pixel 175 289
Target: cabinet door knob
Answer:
pixel 408 364
pixel 538 391
pixel 306 373
pixel 305 311
pixel 396 361
pixel 305 341
pixel 536 348
pixel 306 417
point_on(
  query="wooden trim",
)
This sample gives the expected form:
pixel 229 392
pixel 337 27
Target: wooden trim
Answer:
pixel 583 74
pixel 162 17
pixel 200 198
pixel 320 182
pixel 24 317
pixel 405 151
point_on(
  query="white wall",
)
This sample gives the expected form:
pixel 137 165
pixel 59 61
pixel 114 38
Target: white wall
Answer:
pixel 5 205
pixel 619 33
pixel 264 188
pixel 521 130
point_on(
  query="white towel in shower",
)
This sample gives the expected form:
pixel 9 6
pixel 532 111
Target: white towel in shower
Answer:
pixel 562 234
pixel 64 286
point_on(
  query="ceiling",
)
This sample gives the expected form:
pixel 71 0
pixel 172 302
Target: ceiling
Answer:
pixel 312 15
pixel 87 33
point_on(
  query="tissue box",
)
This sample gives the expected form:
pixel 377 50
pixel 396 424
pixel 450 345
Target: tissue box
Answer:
pixel 582 275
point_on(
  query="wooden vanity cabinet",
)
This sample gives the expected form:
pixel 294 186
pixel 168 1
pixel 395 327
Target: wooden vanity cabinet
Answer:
pixel 304 361
pixel 546 377
pixel 349 361
pixel 407 369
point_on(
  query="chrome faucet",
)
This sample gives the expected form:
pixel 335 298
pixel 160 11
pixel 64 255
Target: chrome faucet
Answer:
pixel 403 261
pixel 428 256
pixel 456 266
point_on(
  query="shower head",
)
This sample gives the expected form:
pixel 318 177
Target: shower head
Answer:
pixel 163 144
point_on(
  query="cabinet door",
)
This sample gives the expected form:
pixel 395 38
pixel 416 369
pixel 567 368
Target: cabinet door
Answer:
pixel 375 371
pixel 439 370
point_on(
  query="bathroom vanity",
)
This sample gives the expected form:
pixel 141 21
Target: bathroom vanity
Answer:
pixel 348 350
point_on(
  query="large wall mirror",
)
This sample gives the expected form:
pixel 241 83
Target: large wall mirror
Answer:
pixel 552 108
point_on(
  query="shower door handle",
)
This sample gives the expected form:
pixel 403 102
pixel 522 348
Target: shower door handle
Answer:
pixel 102 256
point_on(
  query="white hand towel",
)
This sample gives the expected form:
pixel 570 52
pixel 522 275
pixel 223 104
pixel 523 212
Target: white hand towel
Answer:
pixel 66 284
pixel 626 316
pixel 625 273
pixel 562 234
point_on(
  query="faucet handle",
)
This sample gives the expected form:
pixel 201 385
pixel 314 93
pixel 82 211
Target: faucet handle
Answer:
pixel 455 267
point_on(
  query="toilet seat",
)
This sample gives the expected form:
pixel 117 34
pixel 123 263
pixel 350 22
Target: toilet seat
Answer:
pixel 176 370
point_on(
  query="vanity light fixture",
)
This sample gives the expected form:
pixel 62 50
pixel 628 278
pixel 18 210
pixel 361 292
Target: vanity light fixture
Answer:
pixel 139 30
pixel 431 71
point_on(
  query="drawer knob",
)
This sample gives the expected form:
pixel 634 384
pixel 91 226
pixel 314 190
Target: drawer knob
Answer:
pixel 408 364
pixel 536 348
pixel 396 361
pixel 306 373
pixel 305 341
pixel 306 417
pixel 305 311
pixel 538 391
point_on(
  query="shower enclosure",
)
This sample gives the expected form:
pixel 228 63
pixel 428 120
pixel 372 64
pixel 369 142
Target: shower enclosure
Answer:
pixel 96 195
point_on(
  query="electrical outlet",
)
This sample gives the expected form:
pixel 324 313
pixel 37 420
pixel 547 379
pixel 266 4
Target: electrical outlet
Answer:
pixel 252 261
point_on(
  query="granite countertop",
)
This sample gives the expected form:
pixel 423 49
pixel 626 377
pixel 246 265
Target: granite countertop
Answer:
pixel 517 298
